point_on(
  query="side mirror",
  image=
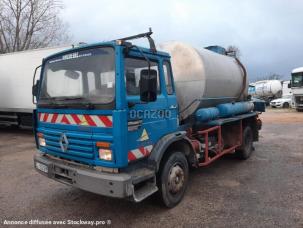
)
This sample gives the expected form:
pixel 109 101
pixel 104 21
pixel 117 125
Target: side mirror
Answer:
pixel 148 85
pixel 289 85
pixel 35 88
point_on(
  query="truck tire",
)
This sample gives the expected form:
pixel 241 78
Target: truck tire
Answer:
pixel 246 148
pixel 286 105
pixel 173 178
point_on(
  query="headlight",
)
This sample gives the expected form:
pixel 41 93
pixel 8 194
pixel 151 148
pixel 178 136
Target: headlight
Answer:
pixel 42 142
pixel 105 154
pixel 41 139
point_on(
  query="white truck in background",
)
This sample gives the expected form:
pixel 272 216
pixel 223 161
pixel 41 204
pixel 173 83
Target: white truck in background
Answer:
pixel 16 80
pixel 297 88
pixel 286 88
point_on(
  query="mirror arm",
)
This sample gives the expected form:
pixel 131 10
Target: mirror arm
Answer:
pixel 148 62
pixel 145 57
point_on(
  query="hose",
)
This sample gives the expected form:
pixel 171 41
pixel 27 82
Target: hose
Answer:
pixel 244 77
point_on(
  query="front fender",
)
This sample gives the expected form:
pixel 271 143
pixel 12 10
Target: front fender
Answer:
pixel 162 145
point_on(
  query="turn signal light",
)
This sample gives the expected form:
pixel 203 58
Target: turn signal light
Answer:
pixel 103 144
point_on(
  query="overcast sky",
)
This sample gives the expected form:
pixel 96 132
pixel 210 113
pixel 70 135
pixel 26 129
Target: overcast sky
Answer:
pixel 269 33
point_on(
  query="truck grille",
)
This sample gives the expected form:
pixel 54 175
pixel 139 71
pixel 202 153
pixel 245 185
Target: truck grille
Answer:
pixel 299 100
pixel 79 145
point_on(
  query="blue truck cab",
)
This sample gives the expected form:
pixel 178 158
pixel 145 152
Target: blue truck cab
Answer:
pixel 107 122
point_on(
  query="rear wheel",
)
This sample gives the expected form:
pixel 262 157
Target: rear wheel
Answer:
pixel 173 178
pixel 286 105
pixel 246 148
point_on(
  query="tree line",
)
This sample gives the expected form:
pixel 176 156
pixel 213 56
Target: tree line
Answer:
pixel 30 24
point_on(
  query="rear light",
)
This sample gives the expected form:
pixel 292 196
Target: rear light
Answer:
pixel 41 139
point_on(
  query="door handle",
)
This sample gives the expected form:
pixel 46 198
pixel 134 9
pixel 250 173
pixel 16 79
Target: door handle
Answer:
pixel 134 125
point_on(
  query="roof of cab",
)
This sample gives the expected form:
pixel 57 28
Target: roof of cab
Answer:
pixel 110 43
pixel 297 70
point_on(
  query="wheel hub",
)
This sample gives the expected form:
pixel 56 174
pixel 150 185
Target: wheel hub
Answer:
pixel 175 179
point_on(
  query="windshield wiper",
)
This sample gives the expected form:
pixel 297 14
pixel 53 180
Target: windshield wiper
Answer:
pixel 67 98
pixel 55 101
pixel 50 103
pixel 88 105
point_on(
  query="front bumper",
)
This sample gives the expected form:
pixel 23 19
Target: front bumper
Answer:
pixel 276 105
pixel 299 106
pixel 119 185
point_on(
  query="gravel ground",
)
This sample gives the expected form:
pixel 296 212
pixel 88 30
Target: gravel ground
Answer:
pixel 264 191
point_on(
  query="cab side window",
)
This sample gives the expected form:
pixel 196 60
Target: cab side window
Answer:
pixel 168 79
pixel 133 68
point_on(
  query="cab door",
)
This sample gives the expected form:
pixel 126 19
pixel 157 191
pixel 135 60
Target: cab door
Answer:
pixel 147 121
pixel 169 88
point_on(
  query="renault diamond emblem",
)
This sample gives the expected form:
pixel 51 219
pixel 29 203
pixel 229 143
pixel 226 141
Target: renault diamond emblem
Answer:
pixel 63 142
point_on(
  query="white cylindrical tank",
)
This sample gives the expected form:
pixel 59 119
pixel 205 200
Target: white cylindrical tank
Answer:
pixel 204 78
pixel 268 88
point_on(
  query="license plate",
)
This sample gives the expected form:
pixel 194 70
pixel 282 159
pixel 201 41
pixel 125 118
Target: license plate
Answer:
pixel 42 167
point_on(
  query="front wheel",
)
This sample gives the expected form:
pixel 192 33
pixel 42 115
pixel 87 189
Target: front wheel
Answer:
pixel 246 148
pixel 286 105
pixel 173 179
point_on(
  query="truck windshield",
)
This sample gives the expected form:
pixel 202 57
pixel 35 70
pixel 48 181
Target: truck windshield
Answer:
pixel 297 79
pixel 82 77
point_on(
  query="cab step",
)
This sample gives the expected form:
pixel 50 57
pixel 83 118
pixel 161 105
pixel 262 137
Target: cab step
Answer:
pixel 144 189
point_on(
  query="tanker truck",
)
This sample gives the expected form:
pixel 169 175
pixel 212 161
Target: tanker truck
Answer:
pixel 16 72
pixel 268 90
pixel 137 119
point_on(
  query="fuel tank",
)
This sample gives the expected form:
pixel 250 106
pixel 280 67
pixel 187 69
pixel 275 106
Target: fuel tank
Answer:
pixel 204 78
